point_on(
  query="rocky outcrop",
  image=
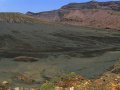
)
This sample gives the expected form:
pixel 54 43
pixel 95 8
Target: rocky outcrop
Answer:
pixel 110 80
pixel 25 59
pixel 91 14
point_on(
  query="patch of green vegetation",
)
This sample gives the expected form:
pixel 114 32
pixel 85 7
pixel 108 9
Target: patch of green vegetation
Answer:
pixel 47 86
pixel 51 85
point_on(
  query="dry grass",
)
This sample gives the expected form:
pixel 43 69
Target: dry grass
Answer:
pixel 17 18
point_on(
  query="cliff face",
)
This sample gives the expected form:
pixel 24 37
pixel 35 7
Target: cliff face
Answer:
pixel 90 14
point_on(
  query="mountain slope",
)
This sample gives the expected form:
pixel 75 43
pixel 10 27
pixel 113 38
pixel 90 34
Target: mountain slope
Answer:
pixel 59 48
pixel 51 16
pixel 93 18
pixel 17 18
pixel 112 5
pixel 21 38
pixel 90 14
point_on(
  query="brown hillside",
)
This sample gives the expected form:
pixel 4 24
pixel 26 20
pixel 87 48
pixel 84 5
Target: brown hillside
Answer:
pixel 91 14
pixel 93 18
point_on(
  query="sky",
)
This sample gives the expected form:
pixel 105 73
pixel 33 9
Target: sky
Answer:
pixel 35 5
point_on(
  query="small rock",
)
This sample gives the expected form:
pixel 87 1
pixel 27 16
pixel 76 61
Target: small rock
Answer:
pixel 5 82
pixel 17 88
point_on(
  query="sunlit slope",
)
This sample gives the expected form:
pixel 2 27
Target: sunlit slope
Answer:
pixel 17 18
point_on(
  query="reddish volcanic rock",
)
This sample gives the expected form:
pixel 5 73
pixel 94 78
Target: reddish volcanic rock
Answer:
pixel 112 5
pixel 91 14
pixel 93 18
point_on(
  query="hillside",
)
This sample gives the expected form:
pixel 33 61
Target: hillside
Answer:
pixel 17 18
pixel 21 33
pixel 56 49
pixel 90 14
pixel 111 5
pixel 41 37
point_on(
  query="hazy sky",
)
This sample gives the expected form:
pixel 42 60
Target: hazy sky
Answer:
pixel 35 5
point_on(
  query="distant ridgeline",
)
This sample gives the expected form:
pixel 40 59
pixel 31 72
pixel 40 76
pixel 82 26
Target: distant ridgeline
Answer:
pixel 112 5
pixel 89 14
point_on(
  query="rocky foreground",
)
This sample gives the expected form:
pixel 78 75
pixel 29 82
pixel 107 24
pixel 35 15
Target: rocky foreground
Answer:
pixel 110 80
